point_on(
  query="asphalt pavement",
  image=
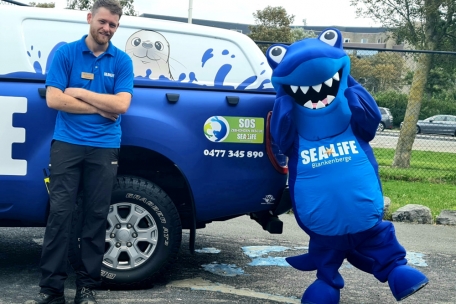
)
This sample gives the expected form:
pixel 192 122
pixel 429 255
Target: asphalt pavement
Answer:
pixel 238 262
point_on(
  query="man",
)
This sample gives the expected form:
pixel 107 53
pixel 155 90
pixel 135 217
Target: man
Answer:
pixel 90 83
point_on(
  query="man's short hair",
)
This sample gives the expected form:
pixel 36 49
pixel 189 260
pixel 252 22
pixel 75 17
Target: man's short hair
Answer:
pixel 112 5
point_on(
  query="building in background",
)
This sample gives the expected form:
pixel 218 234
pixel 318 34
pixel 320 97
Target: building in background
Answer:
pixel 362 37
pixel 356 37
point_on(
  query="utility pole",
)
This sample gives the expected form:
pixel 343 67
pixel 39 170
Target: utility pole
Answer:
pixel 190 8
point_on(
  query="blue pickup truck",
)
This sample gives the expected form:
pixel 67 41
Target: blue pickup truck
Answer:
pixel 195 145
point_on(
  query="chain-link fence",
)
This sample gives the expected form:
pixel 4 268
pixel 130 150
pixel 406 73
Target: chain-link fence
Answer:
pixel 416 93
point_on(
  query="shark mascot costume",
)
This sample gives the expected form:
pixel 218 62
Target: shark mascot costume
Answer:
pixel 323 121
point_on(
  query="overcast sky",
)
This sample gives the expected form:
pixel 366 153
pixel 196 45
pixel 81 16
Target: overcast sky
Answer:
pixel 316 12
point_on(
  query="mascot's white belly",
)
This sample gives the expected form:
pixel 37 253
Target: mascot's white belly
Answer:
pixel 149 51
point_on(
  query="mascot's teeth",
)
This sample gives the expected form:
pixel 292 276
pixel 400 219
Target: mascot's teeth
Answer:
pixel 336 76
pixel 320 105
pixel 330 98
pixel 294 88
pixel 309 104
pixel 329 82
pixel 317 88
pixel 304 89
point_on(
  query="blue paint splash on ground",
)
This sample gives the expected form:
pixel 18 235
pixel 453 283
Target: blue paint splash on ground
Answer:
pixel 302 248
pixel 269 261
pixel 226 270
pixel 416 258
pixel 258 251
pixel 208 250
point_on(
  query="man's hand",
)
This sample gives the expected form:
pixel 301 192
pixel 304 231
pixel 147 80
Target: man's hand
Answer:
pixel 108 115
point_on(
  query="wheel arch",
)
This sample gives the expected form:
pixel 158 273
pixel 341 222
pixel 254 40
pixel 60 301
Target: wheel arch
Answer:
pixel 157 168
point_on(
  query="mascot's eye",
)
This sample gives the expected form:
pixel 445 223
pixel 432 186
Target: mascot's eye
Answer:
pixel 277 53
pixel 136 42
pixel 329 37
pixel 159 45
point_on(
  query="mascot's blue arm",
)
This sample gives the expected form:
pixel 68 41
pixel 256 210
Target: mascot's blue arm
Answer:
pixel 365 113
pixel 282 128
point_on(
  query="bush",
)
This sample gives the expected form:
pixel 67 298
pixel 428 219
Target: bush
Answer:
pixel 395 101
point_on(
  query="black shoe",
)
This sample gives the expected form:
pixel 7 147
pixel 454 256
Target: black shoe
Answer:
pixel 85 296
pixel 43 298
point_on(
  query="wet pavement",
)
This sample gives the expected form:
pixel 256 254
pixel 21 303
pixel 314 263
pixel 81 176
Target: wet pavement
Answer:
pixel 237 262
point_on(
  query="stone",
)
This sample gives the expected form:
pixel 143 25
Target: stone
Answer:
pixel 386 205
pixel 413 213
pixel 446 217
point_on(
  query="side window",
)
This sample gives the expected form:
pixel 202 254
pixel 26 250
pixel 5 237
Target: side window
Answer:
pixel 382 111
pixel 439 118
pixel 451 118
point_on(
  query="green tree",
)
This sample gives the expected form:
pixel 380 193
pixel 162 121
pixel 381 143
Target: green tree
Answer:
pixel 272 24
pixel 379 72
pixel 84 5
pixel 45 5
pixel 423 24
pixel 298 33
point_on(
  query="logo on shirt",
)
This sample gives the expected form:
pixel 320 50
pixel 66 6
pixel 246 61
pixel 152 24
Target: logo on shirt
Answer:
pixel 109 74
pixel 324 155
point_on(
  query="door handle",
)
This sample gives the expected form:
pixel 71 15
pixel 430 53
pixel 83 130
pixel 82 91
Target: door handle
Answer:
pixel 232 100
pixel 42 92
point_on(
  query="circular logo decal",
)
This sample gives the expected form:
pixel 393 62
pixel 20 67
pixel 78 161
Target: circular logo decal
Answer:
pixel 216 128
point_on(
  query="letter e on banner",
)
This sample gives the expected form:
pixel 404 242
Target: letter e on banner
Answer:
pixel 9 135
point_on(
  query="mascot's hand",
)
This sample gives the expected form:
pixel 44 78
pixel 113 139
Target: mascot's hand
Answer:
pixel 352 94
pixel 282 128
pixel 365 113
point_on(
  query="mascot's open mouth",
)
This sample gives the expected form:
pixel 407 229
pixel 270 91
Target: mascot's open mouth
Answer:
pixel 317 96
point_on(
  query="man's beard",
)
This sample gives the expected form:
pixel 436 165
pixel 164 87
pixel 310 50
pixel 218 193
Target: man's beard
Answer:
pixel 96 37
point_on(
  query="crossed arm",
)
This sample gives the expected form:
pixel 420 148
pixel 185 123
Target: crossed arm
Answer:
pixel 82 101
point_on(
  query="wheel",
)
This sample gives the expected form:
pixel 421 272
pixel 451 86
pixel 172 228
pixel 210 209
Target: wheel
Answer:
pixel 381 127
pixel 143 235
pixel 418 130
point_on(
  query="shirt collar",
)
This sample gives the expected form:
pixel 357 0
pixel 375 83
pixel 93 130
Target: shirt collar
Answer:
pixel 109 50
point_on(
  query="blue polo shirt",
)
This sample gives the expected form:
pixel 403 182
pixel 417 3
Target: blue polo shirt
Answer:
pixel 112 73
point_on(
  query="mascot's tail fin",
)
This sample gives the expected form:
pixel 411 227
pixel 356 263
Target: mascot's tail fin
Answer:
pixel 302 262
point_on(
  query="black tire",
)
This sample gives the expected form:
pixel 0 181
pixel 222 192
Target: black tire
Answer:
pixel 418 130
pixel 381 127
pixel 142 208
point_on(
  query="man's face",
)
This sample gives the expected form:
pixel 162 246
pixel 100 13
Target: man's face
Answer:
pixel 103 25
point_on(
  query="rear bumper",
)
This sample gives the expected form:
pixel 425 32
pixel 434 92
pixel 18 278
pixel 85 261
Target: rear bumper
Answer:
pixel 284 204
pixel 269 220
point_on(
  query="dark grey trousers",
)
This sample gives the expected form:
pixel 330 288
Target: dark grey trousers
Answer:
pixel 74 168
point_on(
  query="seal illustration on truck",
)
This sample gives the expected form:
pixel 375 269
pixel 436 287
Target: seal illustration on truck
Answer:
pixel 195 142
pixel 149 51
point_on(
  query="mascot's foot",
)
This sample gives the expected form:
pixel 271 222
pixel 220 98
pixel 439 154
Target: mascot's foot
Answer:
pixel 320 293
pixel 405 281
